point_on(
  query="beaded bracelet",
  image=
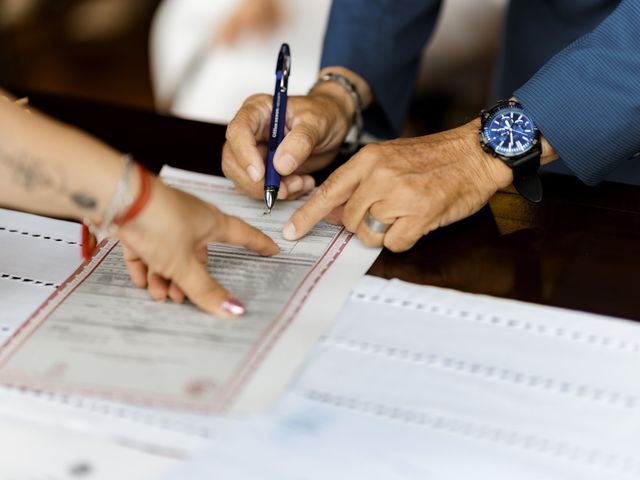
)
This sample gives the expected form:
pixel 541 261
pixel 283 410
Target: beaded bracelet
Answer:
pixel 122 209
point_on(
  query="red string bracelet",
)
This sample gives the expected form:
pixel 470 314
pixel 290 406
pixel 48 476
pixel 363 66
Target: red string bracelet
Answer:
pixel 141 200
pixel 89 240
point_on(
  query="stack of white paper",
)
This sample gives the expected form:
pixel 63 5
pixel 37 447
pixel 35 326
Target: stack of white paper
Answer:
pixel 36 255
pixel 421 382
pixel 32 452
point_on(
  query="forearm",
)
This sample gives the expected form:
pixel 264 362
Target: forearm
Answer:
pixel 51 168
pixel 586 99
pixel 383 43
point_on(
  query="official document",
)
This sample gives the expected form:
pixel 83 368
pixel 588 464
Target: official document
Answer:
pixel 99 335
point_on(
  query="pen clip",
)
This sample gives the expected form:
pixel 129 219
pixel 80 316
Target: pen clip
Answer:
pixel 284 66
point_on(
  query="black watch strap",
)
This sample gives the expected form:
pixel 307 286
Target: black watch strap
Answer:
pixel 525 175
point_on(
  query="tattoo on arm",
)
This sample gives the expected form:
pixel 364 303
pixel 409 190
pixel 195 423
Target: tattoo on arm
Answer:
pixel 35 176
pixel 27 173
pixel 84 201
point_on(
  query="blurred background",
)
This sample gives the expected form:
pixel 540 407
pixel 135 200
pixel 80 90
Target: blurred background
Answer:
pixel 200 59
pixel 96 49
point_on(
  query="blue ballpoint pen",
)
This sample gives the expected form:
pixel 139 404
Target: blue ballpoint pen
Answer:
pixel 278 120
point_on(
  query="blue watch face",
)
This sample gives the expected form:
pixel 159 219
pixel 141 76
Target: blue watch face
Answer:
pixel 509 131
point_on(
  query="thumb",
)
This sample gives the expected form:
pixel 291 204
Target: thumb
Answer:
pixel 296 147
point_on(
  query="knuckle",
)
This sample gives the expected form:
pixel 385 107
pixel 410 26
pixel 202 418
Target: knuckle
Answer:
pixel 180 261
pixel 233 129
pixel 301 218
pixel 221 226
pixel 311 116
pixel 438 196
pixel 349 219
pixel 304 136
pixel 256 98
pixel 381 174
pixel 370 241
pixel 397 243
pixel 369 153
pixel 323 193
pixel 226 168
pixel 350 225
pixel 174 267
pixel 156 293
pixel 253 102
pixel 414 183
pixel 227 156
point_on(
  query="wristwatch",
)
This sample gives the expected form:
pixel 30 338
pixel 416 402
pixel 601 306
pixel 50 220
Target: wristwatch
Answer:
pixel 508 133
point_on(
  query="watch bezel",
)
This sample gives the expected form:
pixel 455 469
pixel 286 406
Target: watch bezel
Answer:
pixel 485 142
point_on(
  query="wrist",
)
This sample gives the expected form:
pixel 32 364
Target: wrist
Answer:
pixel 340 85
pixel 150 210
pixel 113 191
pixel 340 95
pixel 90 195
pixel 548 153
pixel 130 199
pixel 338 98
pixel 358 82
pixel 499 172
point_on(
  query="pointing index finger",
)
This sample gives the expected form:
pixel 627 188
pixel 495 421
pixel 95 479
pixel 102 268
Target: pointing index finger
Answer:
pixel 237 232
pixel 205 292
pixel 335 191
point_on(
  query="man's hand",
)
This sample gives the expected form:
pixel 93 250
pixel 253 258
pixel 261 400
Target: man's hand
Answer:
pixel 416 184
pixel 315 128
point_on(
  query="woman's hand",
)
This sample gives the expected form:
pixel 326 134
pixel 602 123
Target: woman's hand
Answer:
pixel 165 249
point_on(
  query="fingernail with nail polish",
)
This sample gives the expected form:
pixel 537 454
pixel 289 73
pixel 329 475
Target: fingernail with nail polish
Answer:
pixel 253 173
pixel 233 306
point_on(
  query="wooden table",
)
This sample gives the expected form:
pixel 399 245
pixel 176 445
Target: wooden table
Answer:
pixel 579 249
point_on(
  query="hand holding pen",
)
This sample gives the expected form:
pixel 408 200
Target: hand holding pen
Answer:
pixel 276 130
pixel 316 124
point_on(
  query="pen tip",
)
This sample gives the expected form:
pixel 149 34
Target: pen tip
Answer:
pixel 270 194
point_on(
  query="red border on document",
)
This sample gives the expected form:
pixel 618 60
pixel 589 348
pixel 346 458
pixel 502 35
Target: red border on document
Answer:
pixel 58 293
pixel 245 370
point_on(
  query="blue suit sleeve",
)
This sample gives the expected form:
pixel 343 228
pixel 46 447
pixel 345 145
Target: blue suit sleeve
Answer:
pixel 586 99
pixel 382 41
